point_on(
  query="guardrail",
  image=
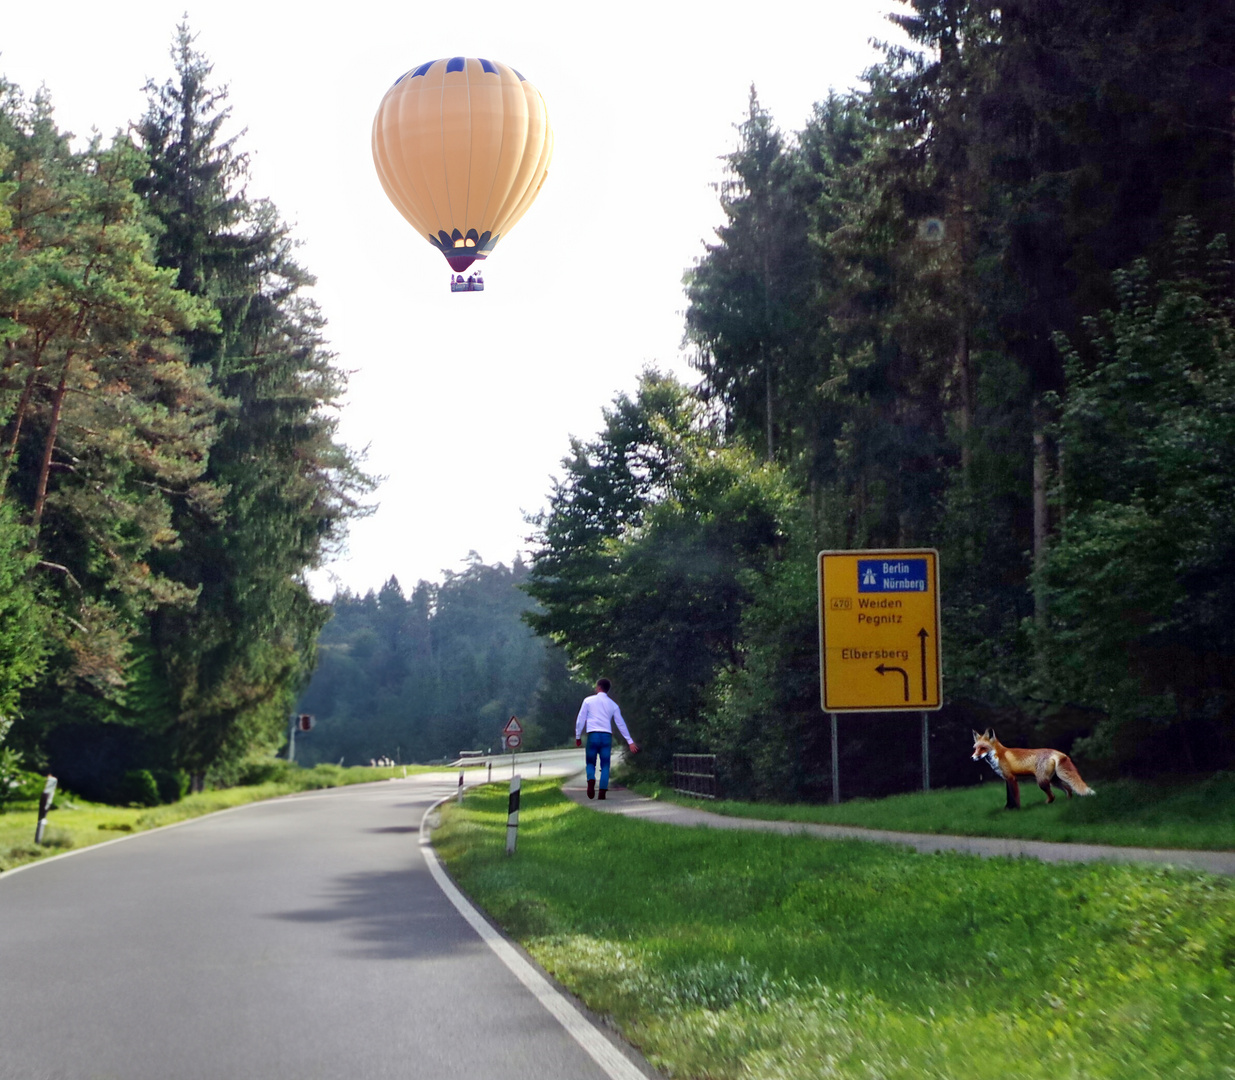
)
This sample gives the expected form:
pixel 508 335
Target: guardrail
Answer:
pixel 695 774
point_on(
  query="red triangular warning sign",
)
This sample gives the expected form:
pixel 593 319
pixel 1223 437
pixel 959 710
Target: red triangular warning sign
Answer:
pixel 513 727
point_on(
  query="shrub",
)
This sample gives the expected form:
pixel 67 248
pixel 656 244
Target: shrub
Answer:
pixel 172 784
pixel 14 780
pixel 266 771
pixel 139 786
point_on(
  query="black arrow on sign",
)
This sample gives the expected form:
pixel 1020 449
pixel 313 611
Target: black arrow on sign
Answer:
pixel 883 669
pixel 922 636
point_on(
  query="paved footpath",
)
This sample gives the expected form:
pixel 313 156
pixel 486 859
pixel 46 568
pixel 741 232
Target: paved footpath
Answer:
pixel 628 804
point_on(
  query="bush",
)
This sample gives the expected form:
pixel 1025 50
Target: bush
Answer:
pixel 139 786
pixel 322 776
pixel 172 784
pixel 15 782
pixel 266 771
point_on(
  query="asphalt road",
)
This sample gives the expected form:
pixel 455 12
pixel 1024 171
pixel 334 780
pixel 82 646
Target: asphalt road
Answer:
pixel 299 938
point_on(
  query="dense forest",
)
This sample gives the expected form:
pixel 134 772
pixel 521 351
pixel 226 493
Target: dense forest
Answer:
pixel 169 469
pixel 421 677
pixel 984 304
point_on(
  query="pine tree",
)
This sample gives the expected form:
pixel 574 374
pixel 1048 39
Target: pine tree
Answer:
pixel 107 426
pixel 236 661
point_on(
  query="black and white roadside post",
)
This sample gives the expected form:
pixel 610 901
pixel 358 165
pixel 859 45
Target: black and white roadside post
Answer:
pixel 459 798
pixel 45 800
pixel 512 814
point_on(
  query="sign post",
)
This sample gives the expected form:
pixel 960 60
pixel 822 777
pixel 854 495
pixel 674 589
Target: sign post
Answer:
pixel 301 722
pixel 512 737
pixel 879 648
pixel 45 801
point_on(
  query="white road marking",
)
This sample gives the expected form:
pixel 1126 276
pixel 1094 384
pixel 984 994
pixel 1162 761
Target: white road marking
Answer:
pixel 577 1026
pixel 297 796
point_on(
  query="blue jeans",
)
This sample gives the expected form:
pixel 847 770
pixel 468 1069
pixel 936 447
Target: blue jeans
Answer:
pixel 599 742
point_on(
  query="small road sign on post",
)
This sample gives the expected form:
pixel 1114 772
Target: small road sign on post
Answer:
pixel 300 722
pixel 512 739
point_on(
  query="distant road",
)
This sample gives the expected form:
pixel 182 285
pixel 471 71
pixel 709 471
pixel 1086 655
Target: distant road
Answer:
pixel 556 762
pixel 301 938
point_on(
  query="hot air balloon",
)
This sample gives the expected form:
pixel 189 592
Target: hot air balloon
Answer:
pixel 462 147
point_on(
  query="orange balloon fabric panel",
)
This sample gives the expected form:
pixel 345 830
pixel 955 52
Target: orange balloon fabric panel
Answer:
pixel 462 147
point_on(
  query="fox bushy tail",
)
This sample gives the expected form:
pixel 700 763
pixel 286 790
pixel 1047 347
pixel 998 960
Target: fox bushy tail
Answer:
pixel 1066 771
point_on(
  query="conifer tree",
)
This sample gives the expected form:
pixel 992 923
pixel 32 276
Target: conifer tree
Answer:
pixel 106 425
pixel 288 487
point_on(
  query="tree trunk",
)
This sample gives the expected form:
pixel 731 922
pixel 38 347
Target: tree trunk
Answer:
pixel 49 446
pixel 1040 511
pixel 767 369
pixel 965 377
pixel 20 414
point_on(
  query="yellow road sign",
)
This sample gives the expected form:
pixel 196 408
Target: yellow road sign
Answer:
pixel 879 631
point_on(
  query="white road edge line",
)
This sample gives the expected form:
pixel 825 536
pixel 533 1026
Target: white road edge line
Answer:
pixel 577 1026
pixel 303 796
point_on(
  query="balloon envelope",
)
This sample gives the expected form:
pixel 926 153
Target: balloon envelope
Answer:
pixel 462 147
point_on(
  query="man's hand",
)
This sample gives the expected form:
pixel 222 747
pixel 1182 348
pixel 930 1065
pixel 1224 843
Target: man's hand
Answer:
pixel 634 747
pixel 578 742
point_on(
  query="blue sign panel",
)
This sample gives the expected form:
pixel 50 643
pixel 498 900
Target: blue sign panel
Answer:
pixel 891 575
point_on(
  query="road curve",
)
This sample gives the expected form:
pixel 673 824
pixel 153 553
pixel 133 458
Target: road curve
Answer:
pixel 300 938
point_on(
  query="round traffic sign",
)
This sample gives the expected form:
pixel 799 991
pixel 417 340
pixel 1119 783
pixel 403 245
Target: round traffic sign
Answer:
pixel 513 742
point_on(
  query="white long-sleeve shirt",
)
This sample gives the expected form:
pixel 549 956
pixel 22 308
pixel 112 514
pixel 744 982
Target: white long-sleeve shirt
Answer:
pixel 596 713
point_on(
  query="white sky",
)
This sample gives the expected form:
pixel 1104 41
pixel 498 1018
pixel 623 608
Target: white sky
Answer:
pixel 467 401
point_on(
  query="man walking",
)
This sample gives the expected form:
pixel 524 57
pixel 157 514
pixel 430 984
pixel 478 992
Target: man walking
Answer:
pixel 596 716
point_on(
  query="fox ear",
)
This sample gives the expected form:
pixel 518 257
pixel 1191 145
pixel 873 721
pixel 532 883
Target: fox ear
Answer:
pixel 976 736
pixel 990 733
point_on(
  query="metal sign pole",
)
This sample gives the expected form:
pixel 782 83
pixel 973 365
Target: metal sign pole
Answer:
pixel 291 738
pixel 835 763
pixel 926 753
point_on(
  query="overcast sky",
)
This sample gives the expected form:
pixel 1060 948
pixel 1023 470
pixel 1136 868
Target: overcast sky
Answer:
pixel 466 402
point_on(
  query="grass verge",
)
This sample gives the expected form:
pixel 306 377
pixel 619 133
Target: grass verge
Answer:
pixel 77 823
pixel 1194 814
pixel 732 954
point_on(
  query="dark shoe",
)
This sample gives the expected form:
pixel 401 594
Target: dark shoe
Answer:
pixel 603 792
pixel 591 789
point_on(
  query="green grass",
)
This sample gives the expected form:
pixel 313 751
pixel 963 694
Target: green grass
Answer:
pixel 736 955
pixel 1171 814
pixel 77 823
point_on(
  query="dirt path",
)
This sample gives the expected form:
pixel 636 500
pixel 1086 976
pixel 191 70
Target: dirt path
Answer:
pixel 628 804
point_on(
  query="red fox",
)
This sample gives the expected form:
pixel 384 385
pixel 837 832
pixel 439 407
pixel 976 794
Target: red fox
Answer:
pixel 1047 767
